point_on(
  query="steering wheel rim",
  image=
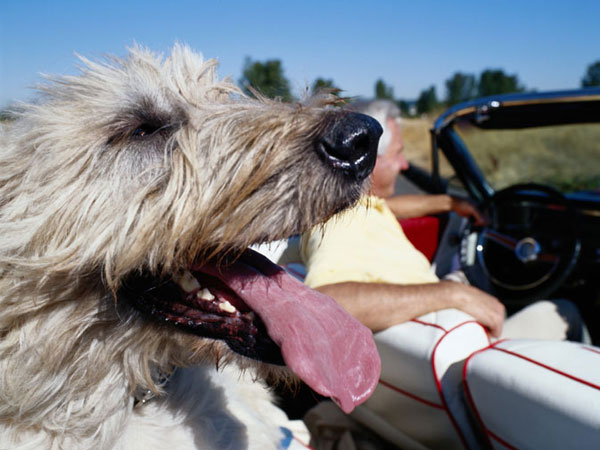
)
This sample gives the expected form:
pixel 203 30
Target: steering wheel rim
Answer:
pixel 526 259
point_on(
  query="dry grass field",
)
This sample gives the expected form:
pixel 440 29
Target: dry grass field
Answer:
pixel 417 141
pixel 566 157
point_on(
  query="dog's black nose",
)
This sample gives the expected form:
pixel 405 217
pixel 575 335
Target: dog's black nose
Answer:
pixel 351 145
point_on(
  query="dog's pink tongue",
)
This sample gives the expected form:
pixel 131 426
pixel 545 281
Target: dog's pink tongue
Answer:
pixel 326 347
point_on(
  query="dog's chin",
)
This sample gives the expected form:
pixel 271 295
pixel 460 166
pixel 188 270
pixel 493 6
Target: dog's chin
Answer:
pixel 199 303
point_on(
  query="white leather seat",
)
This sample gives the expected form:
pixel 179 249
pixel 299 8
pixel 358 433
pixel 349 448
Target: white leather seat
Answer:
pixel 420 390
pixel 532 394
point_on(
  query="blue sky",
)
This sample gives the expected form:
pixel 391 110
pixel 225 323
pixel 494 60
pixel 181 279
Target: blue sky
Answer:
pixel 410 44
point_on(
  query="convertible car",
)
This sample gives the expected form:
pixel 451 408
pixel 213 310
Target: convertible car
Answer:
pixel 531 162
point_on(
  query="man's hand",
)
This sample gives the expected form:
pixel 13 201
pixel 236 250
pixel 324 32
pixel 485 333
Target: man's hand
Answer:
pixel 465 209
pixel 484 308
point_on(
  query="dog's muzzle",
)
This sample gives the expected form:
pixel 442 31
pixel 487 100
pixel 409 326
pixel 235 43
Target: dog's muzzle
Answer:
pixel 351 145
pixel 262 312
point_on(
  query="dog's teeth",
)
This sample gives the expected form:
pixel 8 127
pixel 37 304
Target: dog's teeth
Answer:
pixel 187 281
pixel 250 315
pixel 227 307
pixel 205 294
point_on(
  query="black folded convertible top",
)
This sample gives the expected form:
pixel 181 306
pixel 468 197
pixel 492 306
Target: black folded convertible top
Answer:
pixel 525 110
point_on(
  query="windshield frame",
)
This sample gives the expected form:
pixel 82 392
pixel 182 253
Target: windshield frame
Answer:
pixel 511 111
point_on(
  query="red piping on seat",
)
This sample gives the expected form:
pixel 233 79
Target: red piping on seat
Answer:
pixel 593 350
pixel 303 444
pixel 494 347
pixel 468 391
pixel 444 405
pixel 552 369
pixel 408 394
pixel 438 382
pixel 502 441
pixel 428 324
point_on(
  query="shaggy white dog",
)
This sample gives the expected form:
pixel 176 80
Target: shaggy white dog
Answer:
pixel 128 197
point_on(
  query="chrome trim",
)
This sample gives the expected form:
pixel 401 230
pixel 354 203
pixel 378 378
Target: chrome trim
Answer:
pixel 593 98
pixel 590 212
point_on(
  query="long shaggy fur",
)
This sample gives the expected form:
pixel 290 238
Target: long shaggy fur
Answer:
pixel 143 163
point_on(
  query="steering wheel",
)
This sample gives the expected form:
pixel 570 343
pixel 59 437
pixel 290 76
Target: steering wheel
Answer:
pixel 529 247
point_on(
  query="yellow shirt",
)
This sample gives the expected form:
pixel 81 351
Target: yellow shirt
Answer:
pixel 364 244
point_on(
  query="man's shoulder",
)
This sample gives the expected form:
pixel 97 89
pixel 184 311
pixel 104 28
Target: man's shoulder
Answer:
pixel 351 222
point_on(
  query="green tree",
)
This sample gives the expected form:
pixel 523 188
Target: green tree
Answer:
pixel 265 77
pixel 495 81
pixel 404 107
pixel 383 91
pixel 427 101
pixel 461 87
pixel 321 84
pixel 592 75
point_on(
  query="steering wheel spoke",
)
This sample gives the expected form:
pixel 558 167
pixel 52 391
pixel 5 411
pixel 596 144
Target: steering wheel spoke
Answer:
pixel 500 238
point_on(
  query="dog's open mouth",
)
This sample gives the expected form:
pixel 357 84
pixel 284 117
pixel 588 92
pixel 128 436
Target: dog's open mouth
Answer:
pixel 262 312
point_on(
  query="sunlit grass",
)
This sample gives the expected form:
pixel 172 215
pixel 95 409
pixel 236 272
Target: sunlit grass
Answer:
pixel 566 157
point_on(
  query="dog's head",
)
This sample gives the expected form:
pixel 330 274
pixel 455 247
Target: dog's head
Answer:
pixel 144 180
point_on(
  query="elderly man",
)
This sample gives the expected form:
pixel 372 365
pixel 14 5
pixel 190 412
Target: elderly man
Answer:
pixel 363 259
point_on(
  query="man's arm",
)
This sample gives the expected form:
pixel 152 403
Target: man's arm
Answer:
pixel 407 206
pixel 379 306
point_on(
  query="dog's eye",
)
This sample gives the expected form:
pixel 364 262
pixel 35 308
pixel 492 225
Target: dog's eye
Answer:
pixel 145 130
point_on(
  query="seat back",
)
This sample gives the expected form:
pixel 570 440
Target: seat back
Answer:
pixel 534 394
pixel 423 233
pixel 420 389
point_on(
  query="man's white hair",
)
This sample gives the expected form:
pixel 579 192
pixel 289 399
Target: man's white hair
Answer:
pixel 380 110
